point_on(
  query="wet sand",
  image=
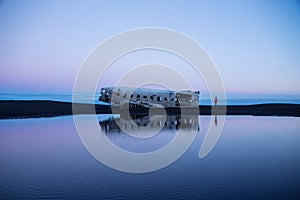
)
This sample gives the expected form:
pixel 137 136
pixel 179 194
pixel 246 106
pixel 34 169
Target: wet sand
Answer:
pixel 34 108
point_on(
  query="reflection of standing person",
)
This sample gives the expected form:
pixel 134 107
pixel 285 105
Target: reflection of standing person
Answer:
pixel 216 120
pixel 216 100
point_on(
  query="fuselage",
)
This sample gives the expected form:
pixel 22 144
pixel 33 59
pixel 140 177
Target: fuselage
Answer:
pixel 118 96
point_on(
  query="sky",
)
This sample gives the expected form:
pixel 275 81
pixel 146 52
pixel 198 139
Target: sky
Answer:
pixel 254 44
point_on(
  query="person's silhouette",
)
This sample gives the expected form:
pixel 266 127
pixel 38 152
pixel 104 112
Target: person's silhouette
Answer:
pixel 216 100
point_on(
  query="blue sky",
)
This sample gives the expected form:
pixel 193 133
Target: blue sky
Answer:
pixel 255 44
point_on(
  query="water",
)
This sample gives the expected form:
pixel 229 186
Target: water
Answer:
pixel 63 97
pixel 255 158
pixel 204 100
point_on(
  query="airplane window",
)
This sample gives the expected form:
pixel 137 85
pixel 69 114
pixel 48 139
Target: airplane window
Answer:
pixel 145 97
pixel 138 96
pixel 151 97
pixel 158 99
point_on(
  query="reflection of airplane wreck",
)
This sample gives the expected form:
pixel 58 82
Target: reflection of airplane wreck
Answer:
pixel 170 122
pixel 118 96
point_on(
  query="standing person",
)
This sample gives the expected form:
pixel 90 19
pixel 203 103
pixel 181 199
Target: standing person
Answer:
pixel 216 100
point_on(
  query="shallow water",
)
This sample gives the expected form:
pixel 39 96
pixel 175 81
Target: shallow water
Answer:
pixel 204 99
pixel 255 158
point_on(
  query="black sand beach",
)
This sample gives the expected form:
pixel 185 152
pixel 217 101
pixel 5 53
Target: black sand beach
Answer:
pixel 11 109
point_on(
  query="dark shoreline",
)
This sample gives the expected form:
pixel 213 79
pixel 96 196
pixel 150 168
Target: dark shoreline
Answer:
pixel 11 109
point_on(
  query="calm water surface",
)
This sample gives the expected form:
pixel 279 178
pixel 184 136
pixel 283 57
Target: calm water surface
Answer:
pixel 255 158
pixel 204 99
